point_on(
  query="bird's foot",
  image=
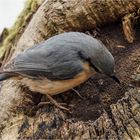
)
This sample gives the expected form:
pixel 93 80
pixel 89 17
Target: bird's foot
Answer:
pixel 54 102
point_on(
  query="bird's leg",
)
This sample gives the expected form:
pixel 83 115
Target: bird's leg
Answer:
pixel 55 103
pixel 59 105
pixel 77 93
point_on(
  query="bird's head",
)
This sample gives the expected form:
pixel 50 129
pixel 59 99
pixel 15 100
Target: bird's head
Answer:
pixel 103 62
pixel 107 69
pixel 106 66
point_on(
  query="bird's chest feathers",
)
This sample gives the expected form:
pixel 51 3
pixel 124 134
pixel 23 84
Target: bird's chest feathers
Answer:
pixel 46 86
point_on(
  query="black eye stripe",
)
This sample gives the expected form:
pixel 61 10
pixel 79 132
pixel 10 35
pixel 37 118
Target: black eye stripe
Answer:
pixel 86 58
pixel 92 65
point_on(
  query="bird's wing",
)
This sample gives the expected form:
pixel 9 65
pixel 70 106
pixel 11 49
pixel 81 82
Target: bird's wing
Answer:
pixel 52 66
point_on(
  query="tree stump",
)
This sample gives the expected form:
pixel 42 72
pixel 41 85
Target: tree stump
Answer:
pixel 109 111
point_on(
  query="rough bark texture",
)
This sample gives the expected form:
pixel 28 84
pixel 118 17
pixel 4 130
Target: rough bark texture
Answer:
pixel 20 118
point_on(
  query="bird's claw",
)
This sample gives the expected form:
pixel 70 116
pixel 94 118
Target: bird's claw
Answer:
pixel 54 102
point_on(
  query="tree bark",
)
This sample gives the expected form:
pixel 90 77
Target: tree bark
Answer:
pixel 19 116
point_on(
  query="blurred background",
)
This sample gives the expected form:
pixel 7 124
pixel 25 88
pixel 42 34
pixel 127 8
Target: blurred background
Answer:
pixel 9 10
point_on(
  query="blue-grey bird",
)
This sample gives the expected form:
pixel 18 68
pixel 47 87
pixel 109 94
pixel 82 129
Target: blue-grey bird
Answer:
pixel 60 63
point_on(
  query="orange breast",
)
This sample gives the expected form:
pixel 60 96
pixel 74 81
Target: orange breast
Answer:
pixel 46 86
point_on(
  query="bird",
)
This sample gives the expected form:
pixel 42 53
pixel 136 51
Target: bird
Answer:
pixel 60 63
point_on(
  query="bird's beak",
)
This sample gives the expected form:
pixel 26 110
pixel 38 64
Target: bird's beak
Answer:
pixel 115 79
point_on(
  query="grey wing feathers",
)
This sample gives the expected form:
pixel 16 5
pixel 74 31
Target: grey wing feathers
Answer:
pixel 59 72
pixel 56 58
pixel 49 60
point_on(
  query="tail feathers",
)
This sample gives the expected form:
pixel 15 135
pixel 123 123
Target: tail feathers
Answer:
pixel 5 76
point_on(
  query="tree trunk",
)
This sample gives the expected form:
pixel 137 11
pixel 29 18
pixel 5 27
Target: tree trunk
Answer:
pixel 20 116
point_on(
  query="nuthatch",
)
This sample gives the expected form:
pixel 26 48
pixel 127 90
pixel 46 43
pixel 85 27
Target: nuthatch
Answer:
pixel 60 63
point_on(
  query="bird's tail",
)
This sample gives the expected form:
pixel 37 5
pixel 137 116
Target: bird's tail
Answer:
pixel 5 76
